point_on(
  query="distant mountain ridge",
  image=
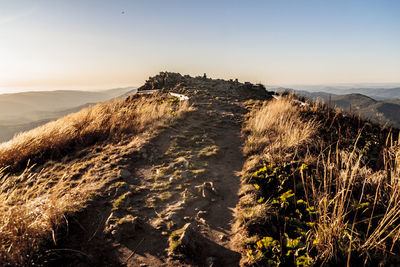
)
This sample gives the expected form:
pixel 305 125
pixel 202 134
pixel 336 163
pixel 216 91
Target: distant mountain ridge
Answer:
pixel 378 93
pixel 26 110
pixel 379 105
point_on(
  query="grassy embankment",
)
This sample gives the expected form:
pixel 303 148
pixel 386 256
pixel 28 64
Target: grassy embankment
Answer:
pixel 319 187
pixel 34 204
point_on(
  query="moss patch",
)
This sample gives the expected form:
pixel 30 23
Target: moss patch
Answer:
pixel 121 202
pixel 174 239
pixel 128 219
pixel 208 151
pixel 165 196
pixel 161 186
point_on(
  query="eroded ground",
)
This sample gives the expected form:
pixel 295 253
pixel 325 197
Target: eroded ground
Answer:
pixel 187 176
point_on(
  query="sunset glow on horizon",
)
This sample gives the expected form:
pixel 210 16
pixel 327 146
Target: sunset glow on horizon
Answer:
pixel 99 44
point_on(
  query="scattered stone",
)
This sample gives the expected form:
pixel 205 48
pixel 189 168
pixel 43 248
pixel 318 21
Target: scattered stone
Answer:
pixel 143 265
pixel 207 189
pixel 124 174
pixel 187 218
pixel 187 243
pixel 125 227
pixel 164 233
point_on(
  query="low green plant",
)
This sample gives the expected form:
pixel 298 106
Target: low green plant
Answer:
pixel 208 151
pixel 121 201
pixel 174 239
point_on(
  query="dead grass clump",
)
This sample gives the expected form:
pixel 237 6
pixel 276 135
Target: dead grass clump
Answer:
pixel 358 208
pixel 88 126
pixel 335 203
pixel 34 205
pixel 276 128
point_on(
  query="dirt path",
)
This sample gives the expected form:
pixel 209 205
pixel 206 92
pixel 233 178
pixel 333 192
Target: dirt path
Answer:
pixel 188 176
pixel 194 180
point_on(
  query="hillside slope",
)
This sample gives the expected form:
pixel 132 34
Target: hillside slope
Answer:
pixel 379 105
pixel 70 162
pixel 319 188
pixel 153 185
pixel 24 111
pixel 229 177
pixel 384 112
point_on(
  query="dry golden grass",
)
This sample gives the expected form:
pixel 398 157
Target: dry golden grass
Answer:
pixel 84 128
pixel 33 207
pixel 34 204
pixel 344 177
pixel 333 201
pixel 277 128
pixel 357 203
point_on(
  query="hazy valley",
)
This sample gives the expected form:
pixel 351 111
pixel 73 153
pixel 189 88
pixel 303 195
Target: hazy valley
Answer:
pixel 27 110
pixel 380 105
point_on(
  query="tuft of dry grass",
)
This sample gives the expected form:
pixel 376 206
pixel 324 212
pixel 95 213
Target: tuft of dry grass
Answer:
pixel 32 207
pixel 88 126
pixel 347 175
pixel 276 128
pixel 358 208
pixel 34 204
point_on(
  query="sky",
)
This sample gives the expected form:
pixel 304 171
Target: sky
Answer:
pixel 49 44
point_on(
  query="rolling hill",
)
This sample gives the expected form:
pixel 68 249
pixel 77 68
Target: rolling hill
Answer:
pixel 384 111
pixel 26 110
pixel 377 92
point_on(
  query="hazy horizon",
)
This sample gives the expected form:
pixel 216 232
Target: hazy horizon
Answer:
pixel 12 90
pixel 307 87
pixel 103 44
pixel 104 88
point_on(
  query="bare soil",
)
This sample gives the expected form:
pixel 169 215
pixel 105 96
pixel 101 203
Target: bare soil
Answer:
pixel 189 173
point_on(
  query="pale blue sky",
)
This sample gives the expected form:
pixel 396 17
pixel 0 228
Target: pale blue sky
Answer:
pixel 78 43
